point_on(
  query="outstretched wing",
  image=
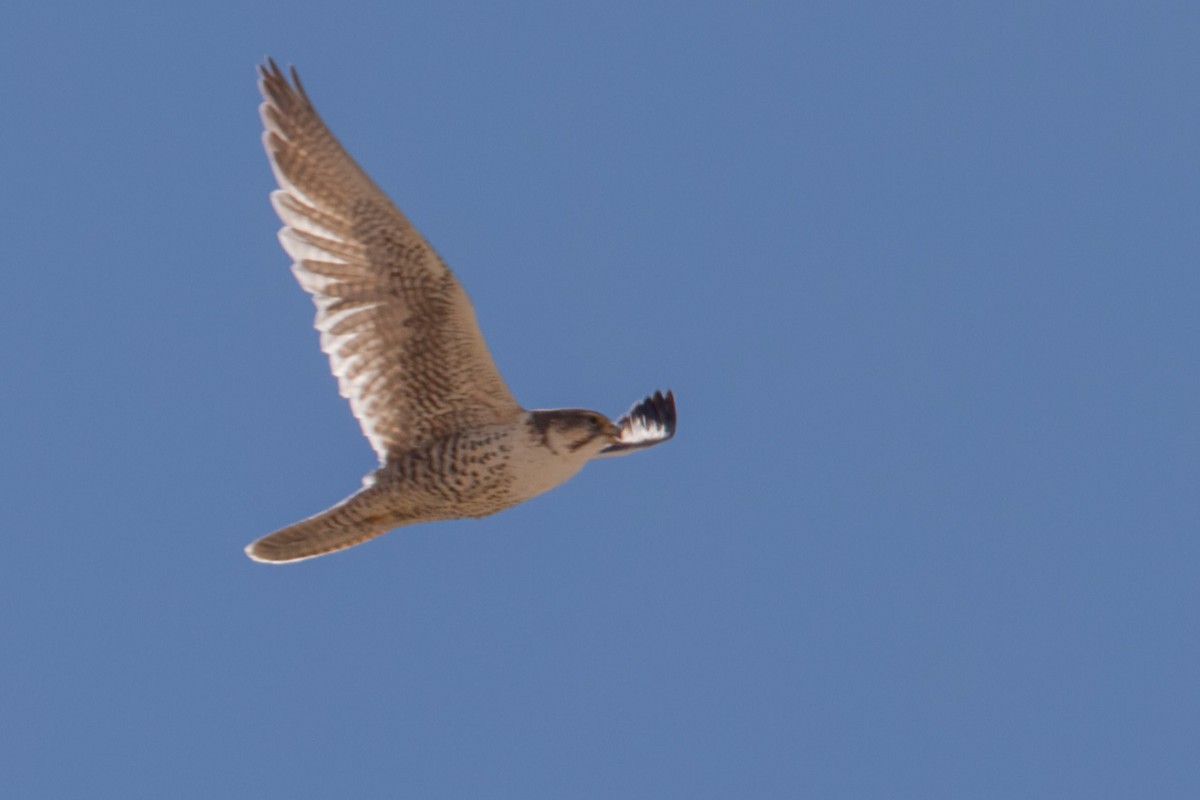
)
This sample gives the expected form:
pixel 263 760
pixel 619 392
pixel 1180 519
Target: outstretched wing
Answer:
pixel 398 328
pixel 648 423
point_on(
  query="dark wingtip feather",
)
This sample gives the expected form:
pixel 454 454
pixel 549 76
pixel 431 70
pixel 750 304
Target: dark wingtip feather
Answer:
pixel 282 94
pixel 657 409
pixel 650 422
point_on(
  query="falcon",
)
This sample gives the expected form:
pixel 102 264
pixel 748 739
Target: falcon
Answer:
pixel 407 353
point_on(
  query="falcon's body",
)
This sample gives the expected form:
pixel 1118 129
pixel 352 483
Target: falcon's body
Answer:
pixel 403 343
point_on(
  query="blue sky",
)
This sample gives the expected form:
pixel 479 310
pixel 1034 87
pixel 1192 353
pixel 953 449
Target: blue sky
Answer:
pixel 922 276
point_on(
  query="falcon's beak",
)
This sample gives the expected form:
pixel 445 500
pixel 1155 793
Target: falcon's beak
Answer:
pixel 613 430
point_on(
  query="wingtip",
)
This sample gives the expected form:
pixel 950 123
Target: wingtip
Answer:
pixel 268 69
pixel 275 84
pixel 650 422
pixel 660 408
pixel 670 415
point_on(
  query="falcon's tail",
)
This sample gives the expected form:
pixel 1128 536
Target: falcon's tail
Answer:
pixel 354 520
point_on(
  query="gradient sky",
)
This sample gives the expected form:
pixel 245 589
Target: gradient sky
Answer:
pixel 923 276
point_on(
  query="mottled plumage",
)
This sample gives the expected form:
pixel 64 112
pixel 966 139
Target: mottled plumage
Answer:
pixel 403 343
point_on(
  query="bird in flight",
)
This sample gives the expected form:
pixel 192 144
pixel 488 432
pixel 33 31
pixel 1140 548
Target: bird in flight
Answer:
pixel 407 353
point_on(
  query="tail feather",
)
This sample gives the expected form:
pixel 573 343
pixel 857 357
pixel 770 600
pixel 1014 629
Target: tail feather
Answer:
pixel 354 520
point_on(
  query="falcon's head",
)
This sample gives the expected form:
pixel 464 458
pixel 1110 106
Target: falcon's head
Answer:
pixel 574 431
pixel 591 434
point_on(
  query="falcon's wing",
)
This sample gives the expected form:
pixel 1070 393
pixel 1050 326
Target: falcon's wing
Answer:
pixel 398 328
pixel 648 423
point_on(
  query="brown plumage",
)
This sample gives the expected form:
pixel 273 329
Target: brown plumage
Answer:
pixel 403 343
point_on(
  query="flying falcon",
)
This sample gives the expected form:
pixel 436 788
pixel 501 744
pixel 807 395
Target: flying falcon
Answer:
pixel 407 353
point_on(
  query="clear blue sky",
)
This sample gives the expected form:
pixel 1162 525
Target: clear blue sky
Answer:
pixel 924 277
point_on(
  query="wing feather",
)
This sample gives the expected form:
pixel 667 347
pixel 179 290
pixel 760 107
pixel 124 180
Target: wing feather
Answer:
pixel 648 423
pixel 398 328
